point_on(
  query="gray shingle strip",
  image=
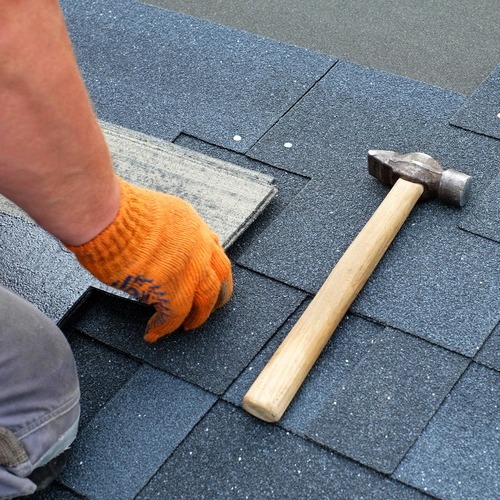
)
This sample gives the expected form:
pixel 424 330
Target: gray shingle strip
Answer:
pixel 484 220
pixel 457 455
pixel 489 354
pixel 161 73
pixel 287 183
pixel 126 443
pixel 34 265
pixel 211 356
pixel 228 197
pixel 349 344
pixel 432 263
pixel 481 111
pixel 231 454
pixel 387 400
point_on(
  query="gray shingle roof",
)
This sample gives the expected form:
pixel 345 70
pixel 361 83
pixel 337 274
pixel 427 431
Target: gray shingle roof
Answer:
pixel 403 403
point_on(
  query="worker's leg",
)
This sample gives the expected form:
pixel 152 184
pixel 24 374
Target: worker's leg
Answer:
pixel 39 395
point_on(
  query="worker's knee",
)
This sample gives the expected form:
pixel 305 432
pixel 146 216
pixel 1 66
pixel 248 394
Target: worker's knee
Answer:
pixel 39 392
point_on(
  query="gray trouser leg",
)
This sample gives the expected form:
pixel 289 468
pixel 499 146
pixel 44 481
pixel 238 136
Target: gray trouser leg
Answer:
pixel 39 393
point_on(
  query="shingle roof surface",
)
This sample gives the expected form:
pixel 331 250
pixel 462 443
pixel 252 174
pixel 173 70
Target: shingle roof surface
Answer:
pixel 403 403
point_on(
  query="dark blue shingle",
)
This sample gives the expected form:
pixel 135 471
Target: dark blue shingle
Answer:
pixel 131 437
pixel 387 399
pixel 480 113
pixel 233 455
pixel 457 455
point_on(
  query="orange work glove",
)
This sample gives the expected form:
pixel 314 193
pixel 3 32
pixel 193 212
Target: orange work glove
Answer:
pixel 161 251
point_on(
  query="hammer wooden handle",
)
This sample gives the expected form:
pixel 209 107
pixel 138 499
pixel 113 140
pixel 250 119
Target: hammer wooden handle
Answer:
pixel 281 378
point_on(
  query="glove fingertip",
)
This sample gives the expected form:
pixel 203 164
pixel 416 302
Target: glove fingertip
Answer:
pixel 197 317
pixel 159 327
pixel 225 293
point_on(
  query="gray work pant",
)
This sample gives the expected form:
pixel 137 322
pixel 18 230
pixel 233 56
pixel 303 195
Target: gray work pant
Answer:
pixel 39 393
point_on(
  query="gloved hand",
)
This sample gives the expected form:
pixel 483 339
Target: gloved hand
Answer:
pixel 161 251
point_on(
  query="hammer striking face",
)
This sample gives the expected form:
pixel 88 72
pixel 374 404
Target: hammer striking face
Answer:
pixel 449 186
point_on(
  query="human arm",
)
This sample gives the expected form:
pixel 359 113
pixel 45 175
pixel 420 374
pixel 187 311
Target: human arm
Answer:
pixel 54 162
pixel 55 165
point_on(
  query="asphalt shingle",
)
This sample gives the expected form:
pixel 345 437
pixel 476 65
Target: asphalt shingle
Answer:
pixel 230 454
pixel 227 197
pixel 214 82
pixel 101 371
pixel 484 220
pixel 457 455
pixel 126 443
pixel 54 492
pixel 387 399
pixel 212 356
pixel 489 354
pixel 481 112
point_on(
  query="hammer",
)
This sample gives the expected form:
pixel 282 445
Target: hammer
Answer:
pixel 413 176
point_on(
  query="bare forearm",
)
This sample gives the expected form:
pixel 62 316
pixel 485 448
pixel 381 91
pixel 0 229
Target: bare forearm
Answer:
pixel 54 162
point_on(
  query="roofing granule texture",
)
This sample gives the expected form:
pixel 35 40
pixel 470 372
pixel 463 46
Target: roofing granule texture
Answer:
pixel 484 220
pixel 351 341
pixel 457 454
pixel 215 82
pixel 288 184
pixel 134 434
pixel 101 372
pixel 481 111
pixel 38 268
pixel 489 354
pixel 387 400
pixel 231 454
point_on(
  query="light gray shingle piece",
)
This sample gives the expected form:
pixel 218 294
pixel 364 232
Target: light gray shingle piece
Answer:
pixel 126 443
pixel 228 197
pixel 457 455
pixel 387 399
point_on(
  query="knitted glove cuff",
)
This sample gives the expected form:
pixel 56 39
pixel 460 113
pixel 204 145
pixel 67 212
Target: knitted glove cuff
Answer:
pixel 114 241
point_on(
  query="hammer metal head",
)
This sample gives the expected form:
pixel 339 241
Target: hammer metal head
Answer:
pixel 449 186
